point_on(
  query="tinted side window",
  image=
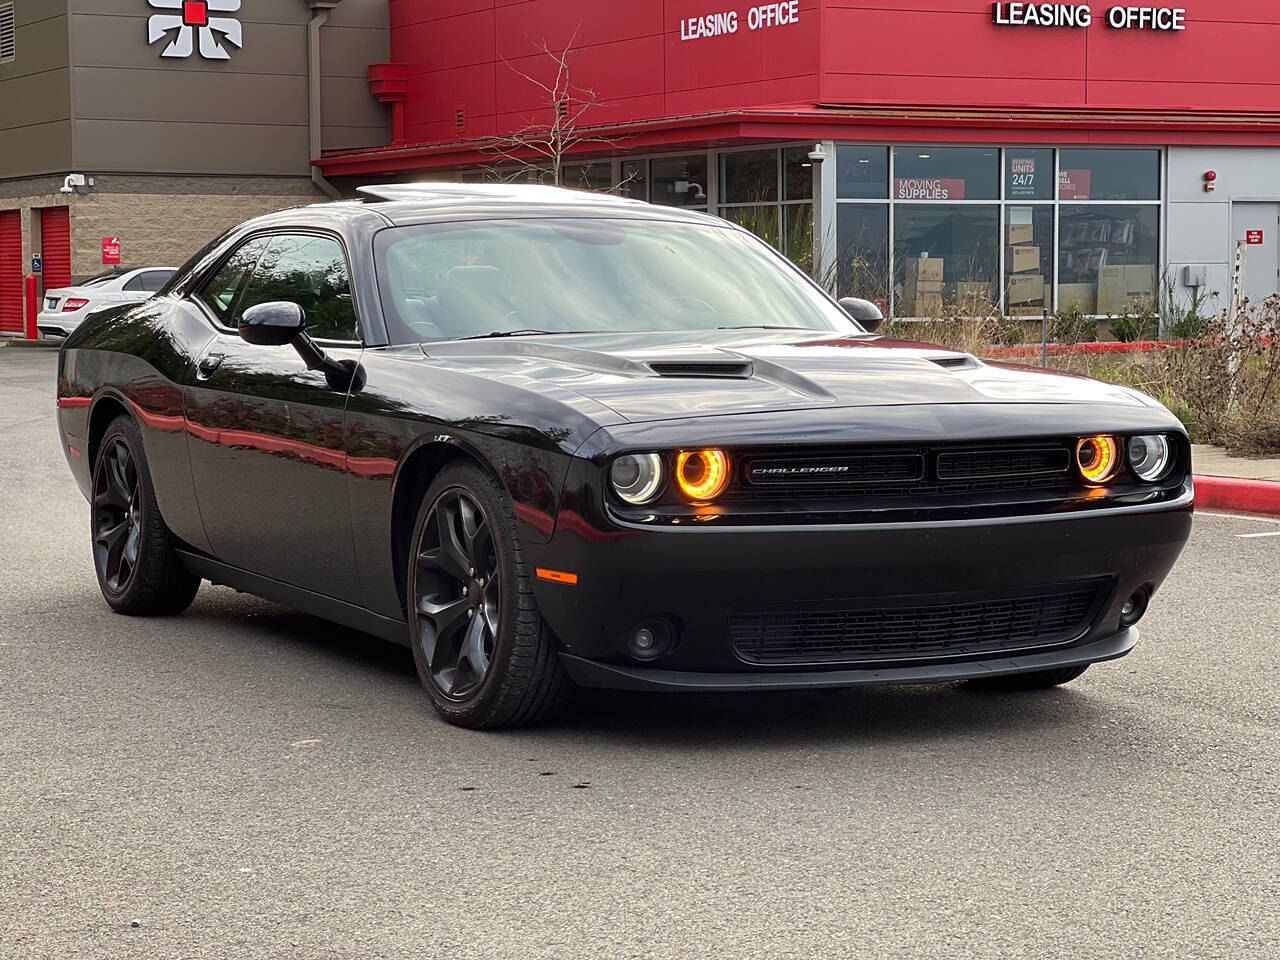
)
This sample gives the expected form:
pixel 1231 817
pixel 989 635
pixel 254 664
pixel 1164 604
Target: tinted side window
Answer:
pixel 154 280
pixel 311 272
pixel 135 284
pixel 220 293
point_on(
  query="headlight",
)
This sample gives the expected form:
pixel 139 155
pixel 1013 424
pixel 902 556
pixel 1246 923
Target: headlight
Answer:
pixel 702 474
pixel 1098 458
pixel 637 477
pixel 1150 457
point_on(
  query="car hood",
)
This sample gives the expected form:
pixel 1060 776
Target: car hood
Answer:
pixel 643 377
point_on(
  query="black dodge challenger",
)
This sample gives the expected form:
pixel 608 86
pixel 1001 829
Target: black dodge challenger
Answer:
pixel 545 437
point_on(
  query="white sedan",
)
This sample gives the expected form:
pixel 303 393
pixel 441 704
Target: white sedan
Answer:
pixel 66 309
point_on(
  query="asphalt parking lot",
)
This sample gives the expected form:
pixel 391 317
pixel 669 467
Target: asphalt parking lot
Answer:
pixel 245 781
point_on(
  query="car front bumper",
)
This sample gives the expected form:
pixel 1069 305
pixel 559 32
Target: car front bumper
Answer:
pixel 696 578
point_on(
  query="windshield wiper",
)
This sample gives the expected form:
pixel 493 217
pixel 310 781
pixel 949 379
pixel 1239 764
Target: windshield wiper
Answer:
pixel 499 334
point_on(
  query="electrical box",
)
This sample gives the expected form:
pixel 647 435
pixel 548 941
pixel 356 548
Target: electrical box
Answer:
pixel 1195 275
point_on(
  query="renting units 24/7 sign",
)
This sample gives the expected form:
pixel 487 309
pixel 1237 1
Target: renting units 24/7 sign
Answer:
pixel 1080 15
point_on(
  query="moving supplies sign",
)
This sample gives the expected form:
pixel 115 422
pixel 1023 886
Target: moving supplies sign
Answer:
pixel 110 250
pixel 927 188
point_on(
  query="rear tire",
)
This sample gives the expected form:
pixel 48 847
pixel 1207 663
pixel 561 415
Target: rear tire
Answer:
pixel 484 656
pixel 138 571
pixel 1041 680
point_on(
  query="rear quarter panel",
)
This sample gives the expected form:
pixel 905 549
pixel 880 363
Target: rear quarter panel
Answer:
pixel 136 357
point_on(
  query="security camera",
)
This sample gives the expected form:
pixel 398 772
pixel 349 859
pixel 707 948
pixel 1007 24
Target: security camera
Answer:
pixel 818 153
pixel 74 182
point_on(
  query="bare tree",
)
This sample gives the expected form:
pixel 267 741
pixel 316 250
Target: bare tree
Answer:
pixel 540 147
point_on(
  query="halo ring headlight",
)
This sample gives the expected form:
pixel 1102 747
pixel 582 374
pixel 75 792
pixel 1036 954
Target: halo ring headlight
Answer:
pixel 702 475
pixel 1150 457
pixel 1098 458
pixel 636 477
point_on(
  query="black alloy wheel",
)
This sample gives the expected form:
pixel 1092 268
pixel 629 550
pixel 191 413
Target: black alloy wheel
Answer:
pixel 133 551
pixel 458 594
pixel 483 653
pixel 117 526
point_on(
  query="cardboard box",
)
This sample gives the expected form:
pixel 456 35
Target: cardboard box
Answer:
pixel 1023 259
pixel 1021 233
pixel 925 268
pixel 923 288
pixel 1025 289
pixel 1082 295
pixel 925 307
pixel 1127 287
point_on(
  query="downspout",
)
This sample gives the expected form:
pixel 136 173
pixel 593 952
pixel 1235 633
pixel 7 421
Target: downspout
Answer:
pixel 320 10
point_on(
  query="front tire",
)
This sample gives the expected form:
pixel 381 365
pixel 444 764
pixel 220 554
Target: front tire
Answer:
pixel 138 571
pixel 485 657
pixel 1040 680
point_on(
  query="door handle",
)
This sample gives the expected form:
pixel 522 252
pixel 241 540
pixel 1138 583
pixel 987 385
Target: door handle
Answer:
pixel 209 365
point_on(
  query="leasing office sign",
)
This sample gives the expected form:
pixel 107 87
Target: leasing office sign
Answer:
pixel 1080 16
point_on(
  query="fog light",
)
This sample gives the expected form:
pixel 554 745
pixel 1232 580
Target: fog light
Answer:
pixel 1098 458
pixel 650 641
pixel 1134 608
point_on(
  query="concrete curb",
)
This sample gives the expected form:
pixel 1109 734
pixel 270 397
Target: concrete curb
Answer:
pixel 23 342
pixel 1238 496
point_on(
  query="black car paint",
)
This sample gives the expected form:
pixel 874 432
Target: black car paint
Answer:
pixel 277 482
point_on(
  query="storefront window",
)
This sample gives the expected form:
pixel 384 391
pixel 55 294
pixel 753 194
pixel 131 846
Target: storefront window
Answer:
pixel 1108 258
pixel 942 252
pixel 633 180
pixel 1109 175
pixel 797 235
pixel 946 173
pixel 596 176
pixel 1028 174
pixel 680 181
pixel 797 174
pixel 862 173
pixel 862 252
pixel 761 220
pixel 1028 261
pixel 750 177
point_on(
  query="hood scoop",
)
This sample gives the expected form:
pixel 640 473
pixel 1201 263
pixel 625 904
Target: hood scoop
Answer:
pixel 702 369
pixel 965 362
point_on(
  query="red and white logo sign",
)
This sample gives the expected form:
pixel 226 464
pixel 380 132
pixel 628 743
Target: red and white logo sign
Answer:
pixel 928 188
pixel 110 250
pixel 1253 238
pixel 192 19
pixel 1074 184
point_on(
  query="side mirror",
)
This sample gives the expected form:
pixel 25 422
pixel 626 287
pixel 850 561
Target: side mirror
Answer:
pixel 272 324
pixel 864 312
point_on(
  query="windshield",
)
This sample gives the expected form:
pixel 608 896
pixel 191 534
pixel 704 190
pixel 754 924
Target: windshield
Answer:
pixel 516 277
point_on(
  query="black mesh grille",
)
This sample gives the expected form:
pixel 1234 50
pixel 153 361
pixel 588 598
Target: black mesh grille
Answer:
pixel 915 628
pixel 920 473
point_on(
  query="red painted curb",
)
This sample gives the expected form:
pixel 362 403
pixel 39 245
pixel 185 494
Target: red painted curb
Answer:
pixel 1238 496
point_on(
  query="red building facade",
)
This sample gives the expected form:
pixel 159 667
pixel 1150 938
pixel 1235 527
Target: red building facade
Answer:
pixel 1035 149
